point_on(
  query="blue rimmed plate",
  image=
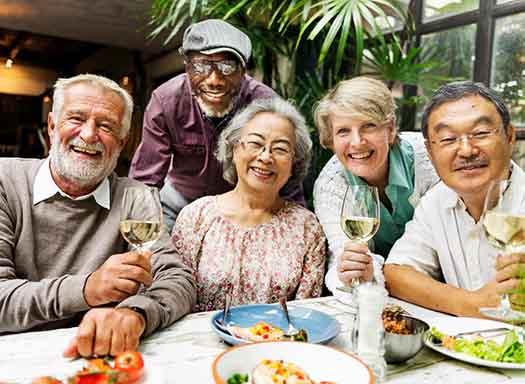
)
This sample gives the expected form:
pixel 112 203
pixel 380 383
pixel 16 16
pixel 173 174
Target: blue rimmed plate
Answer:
pixel 320 327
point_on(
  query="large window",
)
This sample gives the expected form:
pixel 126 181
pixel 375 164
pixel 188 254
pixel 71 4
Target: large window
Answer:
pixel 456 49
pixel 442 8
pixel 480 40
pixel 508 64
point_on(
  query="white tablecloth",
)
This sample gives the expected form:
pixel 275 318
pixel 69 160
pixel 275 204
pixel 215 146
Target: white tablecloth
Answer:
pixel 184 352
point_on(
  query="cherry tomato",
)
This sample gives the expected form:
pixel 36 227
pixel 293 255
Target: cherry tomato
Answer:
pixel 92 378
pixel 46 380
pixel 131 363
pixel 97 365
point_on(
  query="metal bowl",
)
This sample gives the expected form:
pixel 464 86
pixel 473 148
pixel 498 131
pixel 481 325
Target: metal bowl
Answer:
pixel 399 348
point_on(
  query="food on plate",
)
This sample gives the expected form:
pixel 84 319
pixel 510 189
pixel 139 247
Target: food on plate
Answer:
pixel 127 368
pixel 511 350
pixel 275 372
pixel 238 378
pixel 43 380
pixel 263 331
pixel 394 322
pixel 279 372
pixel 131 363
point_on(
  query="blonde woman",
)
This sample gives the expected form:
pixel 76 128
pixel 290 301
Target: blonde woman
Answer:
pixel 357 121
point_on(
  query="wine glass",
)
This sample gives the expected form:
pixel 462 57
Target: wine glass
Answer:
pixel 360 215
pixel 504 225
pixel 141 217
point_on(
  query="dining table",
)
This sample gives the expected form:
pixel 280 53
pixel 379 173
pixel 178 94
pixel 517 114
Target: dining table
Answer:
pixel 185 351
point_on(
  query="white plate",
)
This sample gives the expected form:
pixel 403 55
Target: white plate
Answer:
pixel 454 325
pixel 319 361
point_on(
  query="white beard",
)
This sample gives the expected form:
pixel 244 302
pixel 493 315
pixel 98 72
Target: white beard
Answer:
pixel 211 111
pixel 85 173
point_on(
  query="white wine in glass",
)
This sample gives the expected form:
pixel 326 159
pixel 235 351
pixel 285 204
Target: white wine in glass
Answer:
pixel 141 217
pixel 504 226
pixel 360 214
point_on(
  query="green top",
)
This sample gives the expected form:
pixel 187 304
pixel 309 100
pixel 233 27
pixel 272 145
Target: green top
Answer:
pixel 398 190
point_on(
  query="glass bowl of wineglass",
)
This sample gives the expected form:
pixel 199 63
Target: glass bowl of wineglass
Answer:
pixel 141 217
pixel 360 215
pixel 504 226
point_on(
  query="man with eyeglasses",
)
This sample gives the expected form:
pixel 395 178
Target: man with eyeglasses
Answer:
pixel 444 261
pixel 186 115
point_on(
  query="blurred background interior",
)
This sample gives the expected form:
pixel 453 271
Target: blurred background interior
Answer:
pixel 414 45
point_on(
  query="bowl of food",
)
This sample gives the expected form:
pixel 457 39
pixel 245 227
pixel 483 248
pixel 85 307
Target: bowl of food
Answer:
pixel 403 335
pixel 288 362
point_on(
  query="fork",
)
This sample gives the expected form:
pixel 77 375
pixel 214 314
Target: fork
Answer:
pixel 291 331
pixel 490 333
pixel 496 331
pixel 221 323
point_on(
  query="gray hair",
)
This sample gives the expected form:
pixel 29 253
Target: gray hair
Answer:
pixel 362 97
pixel 276 105
pixel 458 90
pixel 98 81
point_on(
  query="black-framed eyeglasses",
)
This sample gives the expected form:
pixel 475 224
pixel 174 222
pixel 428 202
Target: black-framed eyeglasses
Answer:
pixel 205 67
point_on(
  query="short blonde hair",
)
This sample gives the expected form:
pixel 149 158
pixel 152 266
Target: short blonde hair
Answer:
pixel 97 81
pixel 362 96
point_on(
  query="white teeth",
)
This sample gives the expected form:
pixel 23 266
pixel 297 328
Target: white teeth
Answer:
pixel 362 155
pixel 262 171
pixel 85 150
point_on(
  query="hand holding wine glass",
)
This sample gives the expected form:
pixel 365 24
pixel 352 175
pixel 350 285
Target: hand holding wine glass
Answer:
pixel 141 217
pixel 504 226
pixel 122 274
pixel 360 222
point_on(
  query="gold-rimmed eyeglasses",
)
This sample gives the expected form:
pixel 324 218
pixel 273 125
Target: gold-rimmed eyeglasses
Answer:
pixel 478 137
pixel 279 151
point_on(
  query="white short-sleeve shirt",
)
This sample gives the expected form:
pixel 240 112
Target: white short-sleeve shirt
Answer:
pixel 443 240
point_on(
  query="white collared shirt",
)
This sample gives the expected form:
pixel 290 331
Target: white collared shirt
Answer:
pixel 443 241
pixel 45 187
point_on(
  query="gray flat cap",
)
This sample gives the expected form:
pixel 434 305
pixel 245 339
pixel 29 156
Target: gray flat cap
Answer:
pixel 213 36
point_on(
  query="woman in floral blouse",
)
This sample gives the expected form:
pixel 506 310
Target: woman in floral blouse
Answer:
pixel 249 241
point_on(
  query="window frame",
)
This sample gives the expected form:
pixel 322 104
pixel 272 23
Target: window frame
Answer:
pixel 485 19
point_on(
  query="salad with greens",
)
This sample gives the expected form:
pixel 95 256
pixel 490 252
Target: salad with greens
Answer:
pixel 511 350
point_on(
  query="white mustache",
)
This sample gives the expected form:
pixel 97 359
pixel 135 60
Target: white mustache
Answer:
pixel 78 142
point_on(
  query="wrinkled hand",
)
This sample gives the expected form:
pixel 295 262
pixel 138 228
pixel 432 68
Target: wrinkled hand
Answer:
pixel 118 278
pixel 107 331
pixel 355 262
pixel 487 296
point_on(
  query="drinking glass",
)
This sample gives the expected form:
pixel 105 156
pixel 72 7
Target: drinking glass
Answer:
pixel 360 215
pixel 504 225
pixel 141 217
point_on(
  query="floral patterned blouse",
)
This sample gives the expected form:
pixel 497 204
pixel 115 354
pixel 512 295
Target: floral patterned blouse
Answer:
pixel 283 257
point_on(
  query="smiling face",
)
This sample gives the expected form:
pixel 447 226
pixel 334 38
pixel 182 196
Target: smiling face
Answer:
pixel 470 165
pixel 258 170
pixel 86 140
pixel 362 145
pixel 215 91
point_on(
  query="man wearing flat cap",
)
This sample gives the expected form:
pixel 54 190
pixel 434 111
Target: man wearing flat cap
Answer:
pixel 187 113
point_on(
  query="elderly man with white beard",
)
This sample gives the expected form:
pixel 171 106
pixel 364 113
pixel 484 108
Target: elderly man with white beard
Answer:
pixel 63 261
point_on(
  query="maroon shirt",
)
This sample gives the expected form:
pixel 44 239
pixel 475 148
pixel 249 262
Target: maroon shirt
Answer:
pixel 175 125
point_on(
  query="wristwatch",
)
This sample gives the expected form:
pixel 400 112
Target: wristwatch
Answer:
pixel 140 311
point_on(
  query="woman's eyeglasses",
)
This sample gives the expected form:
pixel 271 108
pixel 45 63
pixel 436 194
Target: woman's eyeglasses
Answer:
pixel 276 150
